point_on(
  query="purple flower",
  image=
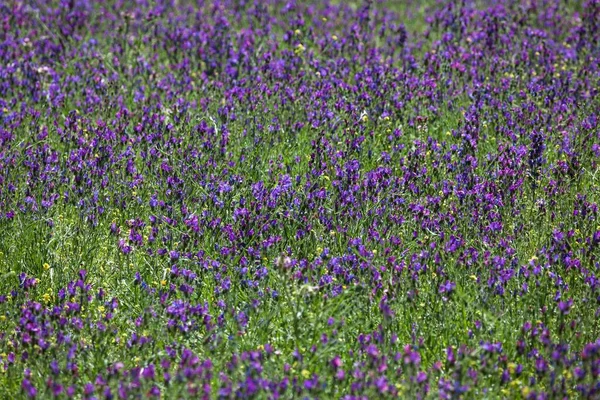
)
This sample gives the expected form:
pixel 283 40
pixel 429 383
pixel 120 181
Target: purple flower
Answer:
pixel 447 287
pixel 29 389
pixel 565 306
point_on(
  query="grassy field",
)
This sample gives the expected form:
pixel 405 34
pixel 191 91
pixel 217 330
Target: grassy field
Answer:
pixel 272 199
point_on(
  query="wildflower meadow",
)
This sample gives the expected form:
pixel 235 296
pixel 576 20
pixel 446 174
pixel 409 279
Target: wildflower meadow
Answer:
pixel 286 199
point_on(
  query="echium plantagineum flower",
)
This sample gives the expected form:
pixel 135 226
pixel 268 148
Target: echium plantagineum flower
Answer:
pixel 536 152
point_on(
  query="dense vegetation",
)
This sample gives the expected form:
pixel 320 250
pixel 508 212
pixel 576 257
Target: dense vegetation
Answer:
pixel 279 199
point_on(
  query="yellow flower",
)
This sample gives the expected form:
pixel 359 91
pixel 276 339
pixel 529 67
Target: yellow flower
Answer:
pixel 299 48
pixel 305 373
pixel 46 266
